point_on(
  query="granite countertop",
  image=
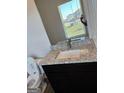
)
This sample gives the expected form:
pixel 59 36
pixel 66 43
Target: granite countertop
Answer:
pixel 85 51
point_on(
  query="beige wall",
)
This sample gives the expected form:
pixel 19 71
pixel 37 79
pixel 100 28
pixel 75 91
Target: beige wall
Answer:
pixel 90 9
pixel 52 22
pixel 38 44
pixel 49 12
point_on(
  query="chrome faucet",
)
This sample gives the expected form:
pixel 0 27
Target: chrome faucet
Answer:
pixel 70 40
pixel 69 43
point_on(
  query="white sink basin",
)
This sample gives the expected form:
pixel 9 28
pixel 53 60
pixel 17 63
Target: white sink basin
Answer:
pixel 71 54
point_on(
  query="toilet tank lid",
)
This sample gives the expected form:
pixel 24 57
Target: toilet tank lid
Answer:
pixel 32 67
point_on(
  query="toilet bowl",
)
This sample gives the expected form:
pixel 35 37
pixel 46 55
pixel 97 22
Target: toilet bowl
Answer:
pixel 33 81
pixel 35 77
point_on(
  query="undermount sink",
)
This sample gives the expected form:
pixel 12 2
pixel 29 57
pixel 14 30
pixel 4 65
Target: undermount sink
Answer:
pixel 72 54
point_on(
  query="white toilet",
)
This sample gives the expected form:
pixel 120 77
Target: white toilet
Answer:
pixel 35 76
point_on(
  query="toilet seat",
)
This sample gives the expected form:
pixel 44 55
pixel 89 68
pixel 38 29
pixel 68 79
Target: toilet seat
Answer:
pixel 34 79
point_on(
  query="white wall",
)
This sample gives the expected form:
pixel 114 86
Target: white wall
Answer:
pixel 38 44
pixel 90 9
pixel 49 12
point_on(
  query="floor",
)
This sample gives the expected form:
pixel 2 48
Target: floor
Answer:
pixel 49 89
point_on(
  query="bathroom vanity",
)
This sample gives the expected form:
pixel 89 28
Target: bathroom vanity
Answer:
pixel 72 70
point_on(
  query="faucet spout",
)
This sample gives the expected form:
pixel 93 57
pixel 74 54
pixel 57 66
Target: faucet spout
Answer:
pixel 69 43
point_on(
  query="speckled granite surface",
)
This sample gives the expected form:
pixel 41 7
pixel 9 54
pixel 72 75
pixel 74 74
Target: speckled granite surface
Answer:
pixel 87 44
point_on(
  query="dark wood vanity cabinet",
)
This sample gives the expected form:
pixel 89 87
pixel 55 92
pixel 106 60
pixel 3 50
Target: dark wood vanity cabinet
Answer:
pixel 73 78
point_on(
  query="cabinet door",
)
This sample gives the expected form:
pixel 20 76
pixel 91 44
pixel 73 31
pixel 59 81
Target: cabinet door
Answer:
pixel 83 78
pixel 58 77
pixel 73 78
